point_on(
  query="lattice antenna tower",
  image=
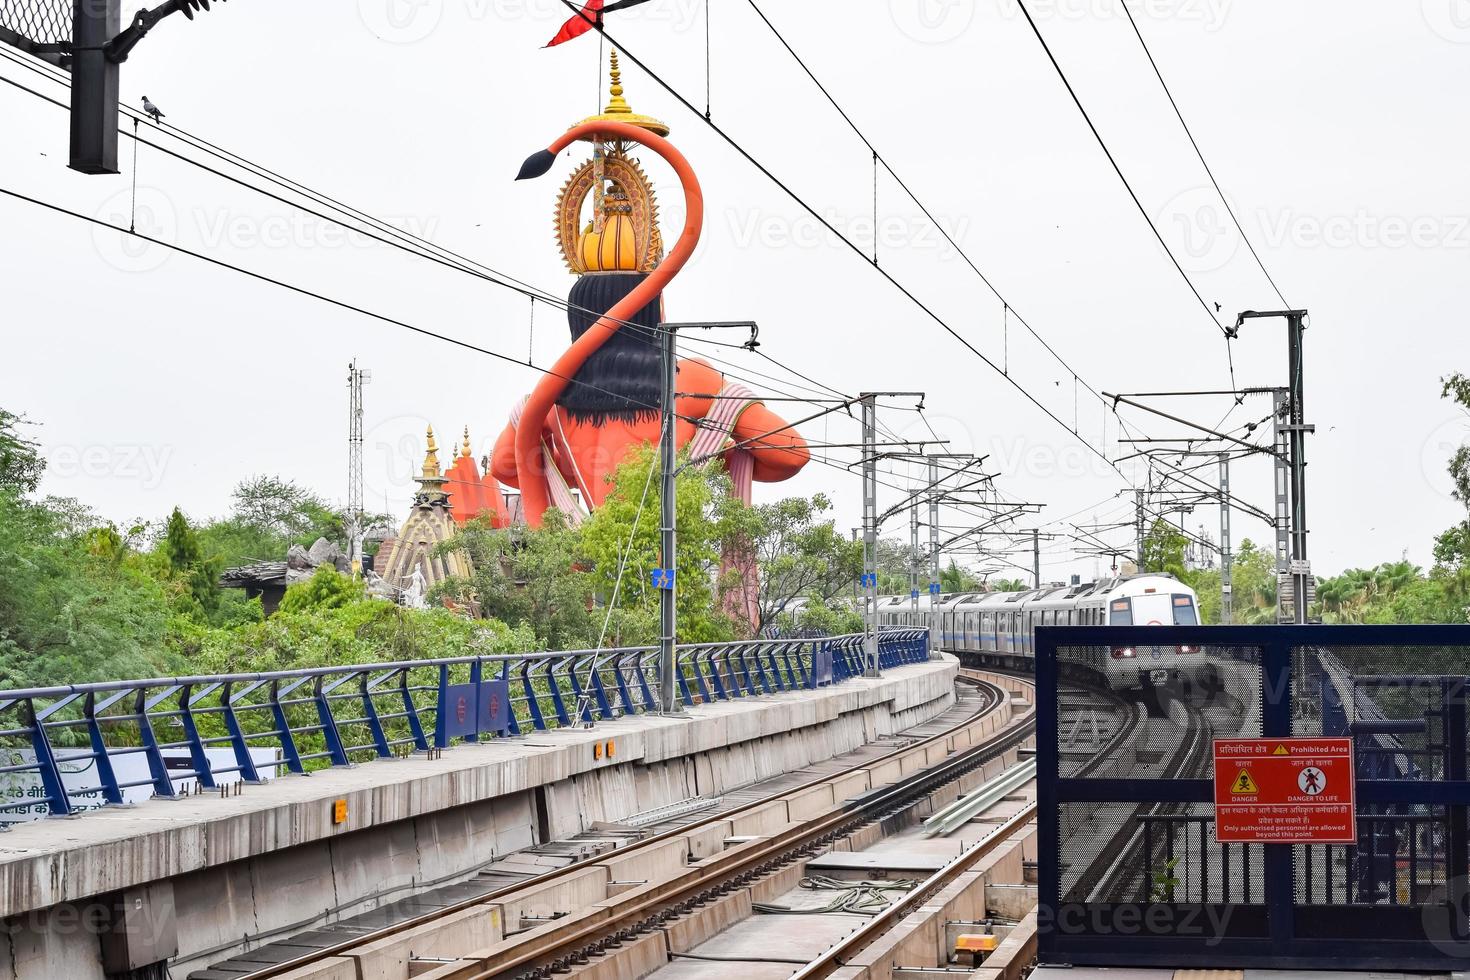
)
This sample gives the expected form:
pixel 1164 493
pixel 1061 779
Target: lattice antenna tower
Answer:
pixel 356 378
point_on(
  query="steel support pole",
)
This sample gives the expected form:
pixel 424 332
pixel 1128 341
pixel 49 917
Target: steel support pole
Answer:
pixel 1297 435
pixel 668 695
pixel 1138 527
pixel 933 556
pixel 870 530
pixel 1227 598
pixel 94 87
pixel 914 559
pixel 1036 555
pixel 1283 494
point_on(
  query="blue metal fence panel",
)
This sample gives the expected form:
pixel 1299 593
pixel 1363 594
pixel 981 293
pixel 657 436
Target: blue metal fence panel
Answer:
pixel 227 727
pixel 1130 873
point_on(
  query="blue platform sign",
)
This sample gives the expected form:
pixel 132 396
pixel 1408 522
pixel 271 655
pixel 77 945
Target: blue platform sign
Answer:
pixel 821 667
pixel 870 579
pixel 933 588
pixel 913 593
pixel 663 578
pixel 476 709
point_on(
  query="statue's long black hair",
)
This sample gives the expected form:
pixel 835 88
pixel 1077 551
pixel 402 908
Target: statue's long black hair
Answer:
pixel 621 380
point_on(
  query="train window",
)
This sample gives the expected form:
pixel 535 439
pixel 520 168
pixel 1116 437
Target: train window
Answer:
pixel 1184 614
pixel 1120 612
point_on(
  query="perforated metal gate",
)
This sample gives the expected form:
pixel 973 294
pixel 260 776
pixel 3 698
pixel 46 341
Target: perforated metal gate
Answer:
pixel 1130 870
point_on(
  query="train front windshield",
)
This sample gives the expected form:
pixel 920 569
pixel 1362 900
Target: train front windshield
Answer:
pixel 1153 609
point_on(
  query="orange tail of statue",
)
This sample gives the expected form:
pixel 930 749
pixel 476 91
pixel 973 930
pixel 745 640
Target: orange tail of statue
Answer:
pixel 530 464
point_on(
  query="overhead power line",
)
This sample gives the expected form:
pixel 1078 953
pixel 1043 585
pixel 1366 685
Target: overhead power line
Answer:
pixel 1199 153
pixel 853 246
pixel 1119 170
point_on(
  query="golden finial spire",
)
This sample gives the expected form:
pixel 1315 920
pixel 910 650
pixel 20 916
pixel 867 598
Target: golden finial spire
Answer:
pixel 618 109
pixel 466 447
pixel 615 103
pixel 431 469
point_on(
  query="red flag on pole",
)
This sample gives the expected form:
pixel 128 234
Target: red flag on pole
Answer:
pixel 578 24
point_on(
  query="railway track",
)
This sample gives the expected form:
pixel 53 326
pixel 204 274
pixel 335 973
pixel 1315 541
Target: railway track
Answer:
pixel 584 936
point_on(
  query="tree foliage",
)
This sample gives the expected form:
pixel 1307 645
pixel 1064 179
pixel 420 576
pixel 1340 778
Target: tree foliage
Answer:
pixel 21 464
pixel 799 555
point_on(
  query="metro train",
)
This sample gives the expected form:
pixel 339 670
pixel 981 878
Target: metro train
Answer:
pixel 999 627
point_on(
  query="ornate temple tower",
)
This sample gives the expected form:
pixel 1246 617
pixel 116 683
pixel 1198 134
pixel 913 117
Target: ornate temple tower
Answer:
pixel 429 524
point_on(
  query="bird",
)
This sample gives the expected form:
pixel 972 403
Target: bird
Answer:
pixel 152 110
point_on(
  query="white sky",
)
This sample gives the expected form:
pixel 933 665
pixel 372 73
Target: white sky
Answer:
pixel 1340 139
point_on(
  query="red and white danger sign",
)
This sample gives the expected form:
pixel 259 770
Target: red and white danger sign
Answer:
pixel 1284 791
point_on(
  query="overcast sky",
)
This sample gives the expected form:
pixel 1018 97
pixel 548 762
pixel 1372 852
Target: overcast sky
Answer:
pixel 1338 134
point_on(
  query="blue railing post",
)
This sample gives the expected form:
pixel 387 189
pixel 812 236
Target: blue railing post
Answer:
pixel 693 658
pixel 623 692
pixel 198 758
pixel 411 713
pixel 335 750
pixel 57 802
pixel 110 790
pixel 650 703
pixel 584 707
pixel 283 731
pixel 477 679
pixel 162 785
pixel 441 716
pixel 513 724
pixel 370 714
pixel 598 690
pixel 562 718
pixel 243 758
pixel 533 702
pixel 683 679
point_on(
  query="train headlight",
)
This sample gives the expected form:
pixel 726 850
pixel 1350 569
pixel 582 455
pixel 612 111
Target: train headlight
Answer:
pixel 1186 648
pixel 1124 653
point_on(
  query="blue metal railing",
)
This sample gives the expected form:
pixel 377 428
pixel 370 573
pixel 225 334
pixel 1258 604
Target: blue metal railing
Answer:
pixel 239 725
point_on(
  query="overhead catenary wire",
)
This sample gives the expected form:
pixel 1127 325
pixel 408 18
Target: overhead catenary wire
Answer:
pixel 1199 153
pixel 405 241
pixel 853 246
pixel 1117 169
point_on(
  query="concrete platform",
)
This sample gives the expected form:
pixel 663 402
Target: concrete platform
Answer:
pixel 271 863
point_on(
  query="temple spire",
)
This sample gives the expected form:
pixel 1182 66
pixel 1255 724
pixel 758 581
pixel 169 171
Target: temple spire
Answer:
pixel 431 477
pixel 618 109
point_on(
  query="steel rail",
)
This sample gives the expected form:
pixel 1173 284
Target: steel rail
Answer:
pixel 884 922
pixel 575 943
pixel 996 696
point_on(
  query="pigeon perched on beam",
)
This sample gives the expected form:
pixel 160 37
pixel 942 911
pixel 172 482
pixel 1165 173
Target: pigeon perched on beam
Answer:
pixel 152 110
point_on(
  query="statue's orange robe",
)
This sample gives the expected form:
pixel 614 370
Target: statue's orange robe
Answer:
pixel 779 451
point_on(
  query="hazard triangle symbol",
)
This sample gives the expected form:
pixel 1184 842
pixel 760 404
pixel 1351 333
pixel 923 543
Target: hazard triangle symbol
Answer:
pixel 1281 750
pixel 1244 783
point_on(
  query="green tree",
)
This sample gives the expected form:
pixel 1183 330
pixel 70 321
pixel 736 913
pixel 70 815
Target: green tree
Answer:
pixel 526 577
pixel 21 464
pixel 1452 547
pixel 76 605
pixel 1163 549
pixel 625 530
pixel 326 589
pixel 798 554
pixel 187 564
pixel 953 578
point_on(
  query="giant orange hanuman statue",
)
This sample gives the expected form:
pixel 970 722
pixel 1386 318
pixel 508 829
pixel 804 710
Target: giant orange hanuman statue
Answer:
pixel 601 398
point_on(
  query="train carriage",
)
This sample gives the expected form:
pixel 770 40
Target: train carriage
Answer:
pixel 1000 627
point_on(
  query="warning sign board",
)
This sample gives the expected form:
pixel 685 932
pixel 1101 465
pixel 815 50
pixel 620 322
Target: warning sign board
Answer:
pixel 1284 791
